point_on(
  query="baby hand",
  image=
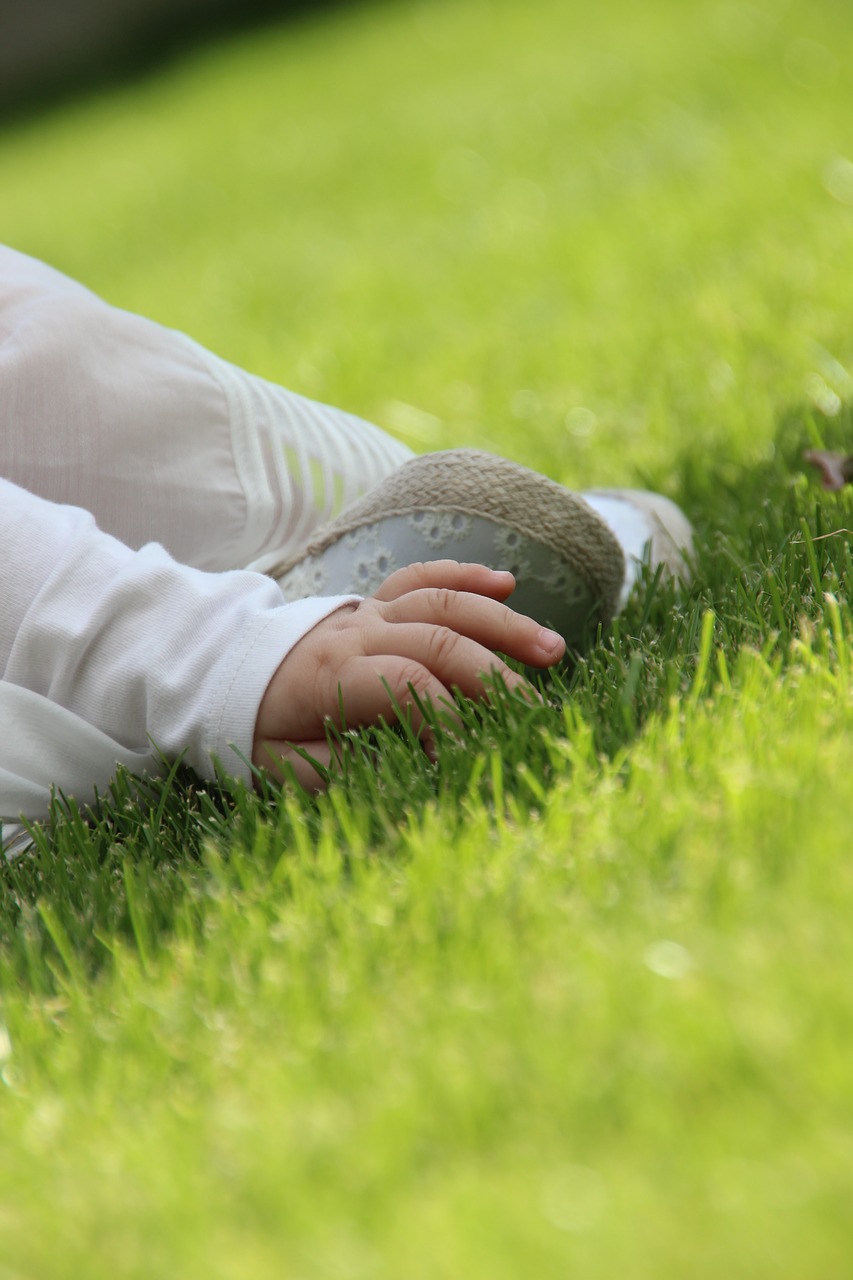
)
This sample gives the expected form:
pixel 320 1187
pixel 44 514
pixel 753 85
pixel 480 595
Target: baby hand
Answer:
pixel 429 629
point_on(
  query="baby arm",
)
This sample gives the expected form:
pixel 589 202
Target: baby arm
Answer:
pixel 140 648
pixel 429 629
pixel 111 650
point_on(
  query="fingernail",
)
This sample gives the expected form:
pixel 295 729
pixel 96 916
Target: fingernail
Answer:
pixel 551 642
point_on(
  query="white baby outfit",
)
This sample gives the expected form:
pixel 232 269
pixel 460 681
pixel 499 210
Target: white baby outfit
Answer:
pixel 146 487
pixel 111 646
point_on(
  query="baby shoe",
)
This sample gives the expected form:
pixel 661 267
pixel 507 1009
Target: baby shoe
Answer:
pixel 651 530
pixel 574 559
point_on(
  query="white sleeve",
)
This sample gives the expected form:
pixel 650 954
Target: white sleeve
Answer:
pixel 129 644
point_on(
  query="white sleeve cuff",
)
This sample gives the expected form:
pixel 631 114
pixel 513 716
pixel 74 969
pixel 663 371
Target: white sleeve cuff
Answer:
pixel 237 687
pixel 123 651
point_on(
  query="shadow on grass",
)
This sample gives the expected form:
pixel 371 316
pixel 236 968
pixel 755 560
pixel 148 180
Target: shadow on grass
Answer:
pixel 137 869
pixel 770 543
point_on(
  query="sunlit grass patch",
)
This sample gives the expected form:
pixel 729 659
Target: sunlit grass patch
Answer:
pixel 573 1000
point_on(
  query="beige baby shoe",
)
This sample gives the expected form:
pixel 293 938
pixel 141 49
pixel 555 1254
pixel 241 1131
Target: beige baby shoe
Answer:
pixel 575 558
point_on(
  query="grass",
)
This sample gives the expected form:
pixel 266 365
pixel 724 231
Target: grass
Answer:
pixel 576 1001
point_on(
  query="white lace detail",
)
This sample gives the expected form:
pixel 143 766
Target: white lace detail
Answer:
pixel 371 569
pixel 508 542
pixel 521 569
pixel 360 557
pixel 309 579
pixel 562 582
pixel 548 587
pixel 438 528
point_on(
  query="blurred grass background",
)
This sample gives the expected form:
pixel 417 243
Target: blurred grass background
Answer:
pixel 577 1004
pixel 586 239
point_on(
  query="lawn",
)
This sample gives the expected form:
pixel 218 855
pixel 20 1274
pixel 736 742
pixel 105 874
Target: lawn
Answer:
pixel 577 1002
